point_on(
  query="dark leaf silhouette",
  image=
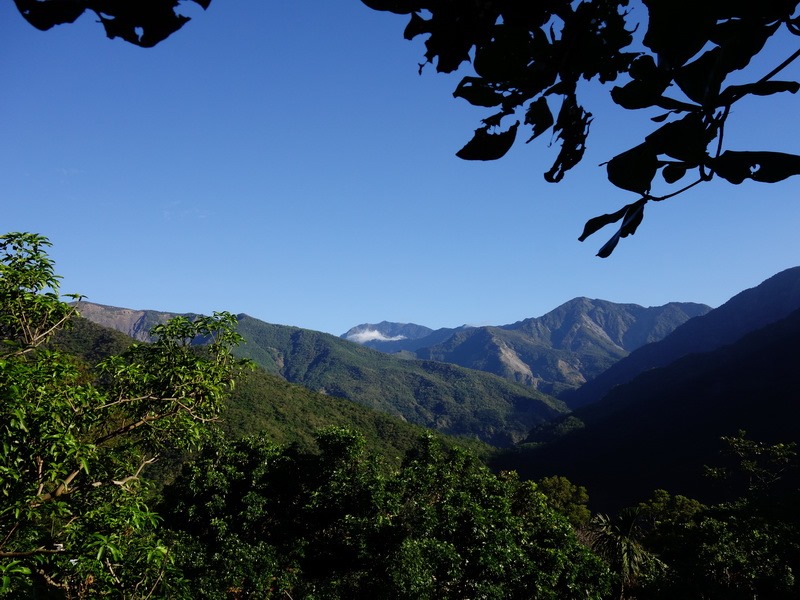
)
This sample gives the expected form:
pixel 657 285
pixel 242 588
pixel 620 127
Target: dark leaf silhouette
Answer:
pixel 595 224
pixel 141 23
pixel 765 167
pixel 760 88
pixel 478 92
pixel 539 117
pixel 634 169
pixel 633 214
pixel 685 139
pixel 672 34
pixel 701 79
pixel 488 146
pixel 416 26
pixel 674 172
pixel 572 127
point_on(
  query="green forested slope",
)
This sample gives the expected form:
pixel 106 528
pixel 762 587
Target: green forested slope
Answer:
pixel 440 396
pixel 263 403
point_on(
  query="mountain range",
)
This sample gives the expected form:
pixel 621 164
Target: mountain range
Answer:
pixel 751 309
pixel 653 418
pixel 554 353
pixel 473 382
pixel 436 395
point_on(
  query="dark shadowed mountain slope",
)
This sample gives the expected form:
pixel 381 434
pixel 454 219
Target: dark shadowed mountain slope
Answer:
pixel 658 430
pixel 748 311
pixel 566 347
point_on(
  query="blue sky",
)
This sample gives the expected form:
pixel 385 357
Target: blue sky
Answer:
pixel 285 159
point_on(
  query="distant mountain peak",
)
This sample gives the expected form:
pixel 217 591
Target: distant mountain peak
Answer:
pixel 559 350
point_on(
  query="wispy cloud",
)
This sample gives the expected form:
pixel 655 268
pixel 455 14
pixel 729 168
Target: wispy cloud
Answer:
pixel 372 335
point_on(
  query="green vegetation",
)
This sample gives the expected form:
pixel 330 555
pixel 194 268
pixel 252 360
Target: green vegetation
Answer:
pixel 287 499
pixel 257 520
pixel 440 396
pixel 74 443
pixel 285 413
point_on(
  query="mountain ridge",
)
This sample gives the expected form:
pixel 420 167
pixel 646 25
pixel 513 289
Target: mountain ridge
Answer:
pixel 660 428
pixel 558 351
pixel 440 396
pixel 751 309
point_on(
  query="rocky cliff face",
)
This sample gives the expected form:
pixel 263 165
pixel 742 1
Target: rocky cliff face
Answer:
pixel 135 323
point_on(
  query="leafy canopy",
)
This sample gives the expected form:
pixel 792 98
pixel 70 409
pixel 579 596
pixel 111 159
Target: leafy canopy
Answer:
pixel 75 441
pixel 278 522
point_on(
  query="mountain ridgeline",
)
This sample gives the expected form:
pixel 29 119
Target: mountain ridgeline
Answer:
pixel 748 311
pixel 655 419
pixel 554 353
pixel 667 383
pixel 662 428
pixel 440 396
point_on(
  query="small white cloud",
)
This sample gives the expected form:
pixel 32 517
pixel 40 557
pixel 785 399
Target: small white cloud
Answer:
pixel 372 335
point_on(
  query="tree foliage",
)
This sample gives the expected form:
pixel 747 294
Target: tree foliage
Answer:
pixel 529 58
pixel 745 547
pixel 264 521
pixel 75 441
pixel 141 23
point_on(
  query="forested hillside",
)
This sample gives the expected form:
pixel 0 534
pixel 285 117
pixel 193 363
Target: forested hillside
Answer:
pixel 267 405
pixel 440 396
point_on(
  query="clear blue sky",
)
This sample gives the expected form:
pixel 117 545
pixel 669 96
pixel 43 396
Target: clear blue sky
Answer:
pixel 285 159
